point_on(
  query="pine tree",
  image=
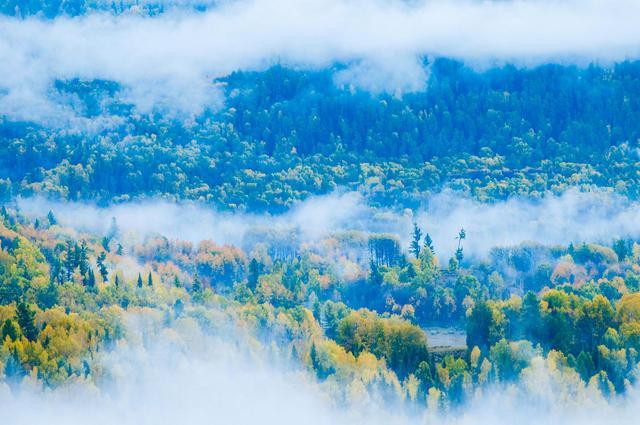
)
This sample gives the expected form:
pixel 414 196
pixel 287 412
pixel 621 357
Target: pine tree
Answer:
pixel 459 255
pixel 69 263
pixel 102 268
pixel 9 329
pixel 26 320
pixel 105 243
pixel 82 258
pixel 89 279
pixel 150 279
pixel 428 243
pixel 255 269
pixel 139 280
pixel 52 218
pixel 415 243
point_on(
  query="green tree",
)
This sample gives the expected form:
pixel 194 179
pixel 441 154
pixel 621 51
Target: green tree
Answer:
pixel 51 218
pixel 102 268
pixel 9 329
pixel 26 320
pixel 483 328
pixel 428 243
pixel 255 270
pixel 415 242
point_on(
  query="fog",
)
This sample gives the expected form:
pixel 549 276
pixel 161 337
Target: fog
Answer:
pixel 190 376
pixel 574 216
pixel 168 62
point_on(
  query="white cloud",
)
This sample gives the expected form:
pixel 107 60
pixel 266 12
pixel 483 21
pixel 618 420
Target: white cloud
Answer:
pixel 574 216
pixel 169 61
pixel 181 375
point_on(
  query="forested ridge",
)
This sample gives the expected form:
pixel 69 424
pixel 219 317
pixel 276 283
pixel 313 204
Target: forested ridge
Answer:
pixel 283 135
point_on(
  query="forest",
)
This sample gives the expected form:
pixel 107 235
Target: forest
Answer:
pixel 319 218
pixel 284 135
pixel 65 293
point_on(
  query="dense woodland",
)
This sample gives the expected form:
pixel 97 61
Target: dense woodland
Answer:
pixel 64 296
pixel 285 134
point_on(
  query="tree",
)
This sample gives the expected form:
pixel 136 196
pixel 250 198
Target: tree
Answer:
pixel 415 242
pixel 139 280
pixel 428 243
pixel 594 318
pixel 178 307
pixel 102 268
pixel 461 236
pixel 255 270
pixel 150 279
pixel 459 255
pixel 423 373
pixel 622 249
pixel 531 321
pixel 82 259
pixel 13 369
pixel 483 329
pixel 70 260
pixel 105 243
pixel 9 329
pixel 89 279
pixel 26 320
pixel 52 218
pixel 10 289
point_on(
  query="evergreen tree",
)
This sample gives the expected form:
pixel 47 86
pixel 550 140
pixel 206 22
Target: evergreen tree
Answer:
pixel 105 243
pixel 26 320
pixel 10 289
pixel 150 280
pixel 102 268
pixel 82 257
pixel 70 260
pixel 459 255
pixel 415 242
pixel 89 279
pixel 10 330
pixel 255 269
pixel 139 280
pixel 428 243
pixel 52 218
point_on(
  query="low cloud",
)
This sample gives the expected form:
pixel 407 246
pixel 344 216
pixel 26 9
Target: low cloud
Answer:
pixel 168 62
pixel 184 375
pixel 573 216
